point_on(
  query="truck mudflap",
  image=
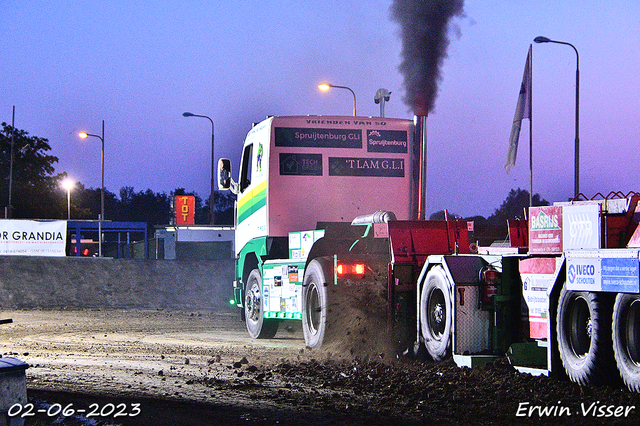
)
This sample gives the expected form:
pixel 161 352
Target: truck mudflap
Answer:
pixel 349 317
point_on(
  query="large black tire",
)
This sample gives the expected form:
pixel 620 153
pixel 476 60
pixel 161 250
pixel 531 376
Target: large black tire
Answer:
pixel 626 338
pixel 345 319
pixel 584 341
pixel 258 326
pixel 315 304
pixel 435 314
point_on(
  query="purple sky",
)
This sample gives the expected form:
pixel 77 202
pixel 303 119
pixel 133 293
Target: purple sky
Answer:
pixel 68 65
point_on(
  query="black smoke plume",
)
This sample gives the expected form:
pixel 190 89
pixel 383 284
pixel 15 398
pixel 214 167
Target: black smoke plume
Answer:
pixel 424 30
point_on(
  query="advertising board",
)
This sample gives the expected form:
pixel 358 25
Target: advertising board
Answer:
pixel 597 271
pixel 32 237
pixel 545 230
pixel 185 209
pixel 537 275
pixel 554 229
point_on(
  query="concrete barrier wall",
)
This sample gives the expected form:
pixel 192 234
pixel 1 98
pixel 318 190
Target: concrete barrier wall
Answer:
pixel 69 282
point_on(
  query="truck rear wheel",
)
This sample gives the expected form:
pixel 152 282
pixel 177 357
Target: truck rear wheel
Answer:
pixel 315 299
pixel 435 314
pixel 626 338
pixel 583 326
pixel 349 318
pixel 258 326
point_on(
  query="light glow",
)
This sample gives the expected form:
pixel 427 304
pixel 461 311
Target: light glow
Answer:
pixel 354 269
pixel 68 184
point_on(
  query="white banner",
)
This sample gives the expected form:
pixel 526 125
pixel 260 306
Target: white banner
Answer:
pixel 523 110
pixel 32 237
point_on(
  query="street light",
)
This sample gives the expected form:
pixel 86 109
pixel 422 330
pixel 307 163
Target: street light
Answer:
pixel 84 135
pixel 326 86
pixel 68 184
pixel 211 199
pixel 382 96
pixel 576 189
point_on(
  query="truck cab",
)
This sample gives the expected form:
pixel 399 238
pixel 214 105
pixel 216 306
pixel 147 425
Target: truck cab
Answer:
pixel 295 173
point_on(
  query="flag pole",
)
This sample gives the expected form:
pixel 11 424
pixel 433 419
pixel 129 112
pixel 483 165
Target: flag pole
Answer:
pixel 530 129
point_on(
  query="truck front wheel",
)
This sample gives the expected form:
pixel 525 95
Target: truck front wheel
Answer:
pixel 435 314
pixel 626 338
pixel 258 326
pixel 583 326
pixel 315 299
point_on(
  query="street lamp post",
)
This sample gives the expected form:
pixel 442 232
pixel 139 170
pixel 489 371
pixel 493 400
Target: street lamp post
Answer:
pixel 84 135
pixel 68 184
pixel 576 189
pixel 211 198
pixel 326 86
pixel 8 210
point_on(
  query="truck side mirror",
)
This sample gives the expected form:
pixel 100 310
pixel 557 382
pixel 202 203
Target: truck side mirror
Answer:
pixel 224 174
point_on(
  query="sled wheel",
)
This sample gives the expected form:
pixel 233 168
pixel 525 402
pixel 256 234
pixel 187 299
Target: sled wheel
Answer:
pixel 435 314
pixel 583 327
pixel 626 338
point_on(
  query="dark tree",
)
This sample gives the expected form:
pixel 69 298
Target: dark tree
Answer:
pixel 224 205
pixel 88 203
pixel 494 227
pixel 36 191
pixel 514 206
pixel 82 200
pixel 144 206
pixel 442 215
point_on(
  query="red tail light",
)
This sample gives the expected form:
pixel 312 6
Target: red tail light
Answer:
pixel 350 269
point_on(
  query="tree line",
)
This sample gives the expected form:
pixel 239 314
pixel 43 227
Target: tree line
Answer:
pixel 37 193
pixel 494 227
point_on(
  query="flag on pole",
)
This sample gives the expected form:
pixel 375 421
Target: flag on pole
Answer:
pixel 523 110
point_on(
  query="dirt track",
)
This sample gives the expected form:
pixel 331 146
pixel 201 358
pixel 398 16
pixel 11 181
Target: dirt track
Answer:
pixel 199 368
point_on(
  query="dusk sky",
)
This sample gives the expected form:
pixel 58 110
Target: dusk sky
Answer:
pixel 68 65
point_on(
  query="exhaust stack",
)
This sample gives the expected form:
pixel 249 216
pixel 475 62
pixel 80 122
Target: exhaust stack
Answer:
pixel 424 28
pixel 420 122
